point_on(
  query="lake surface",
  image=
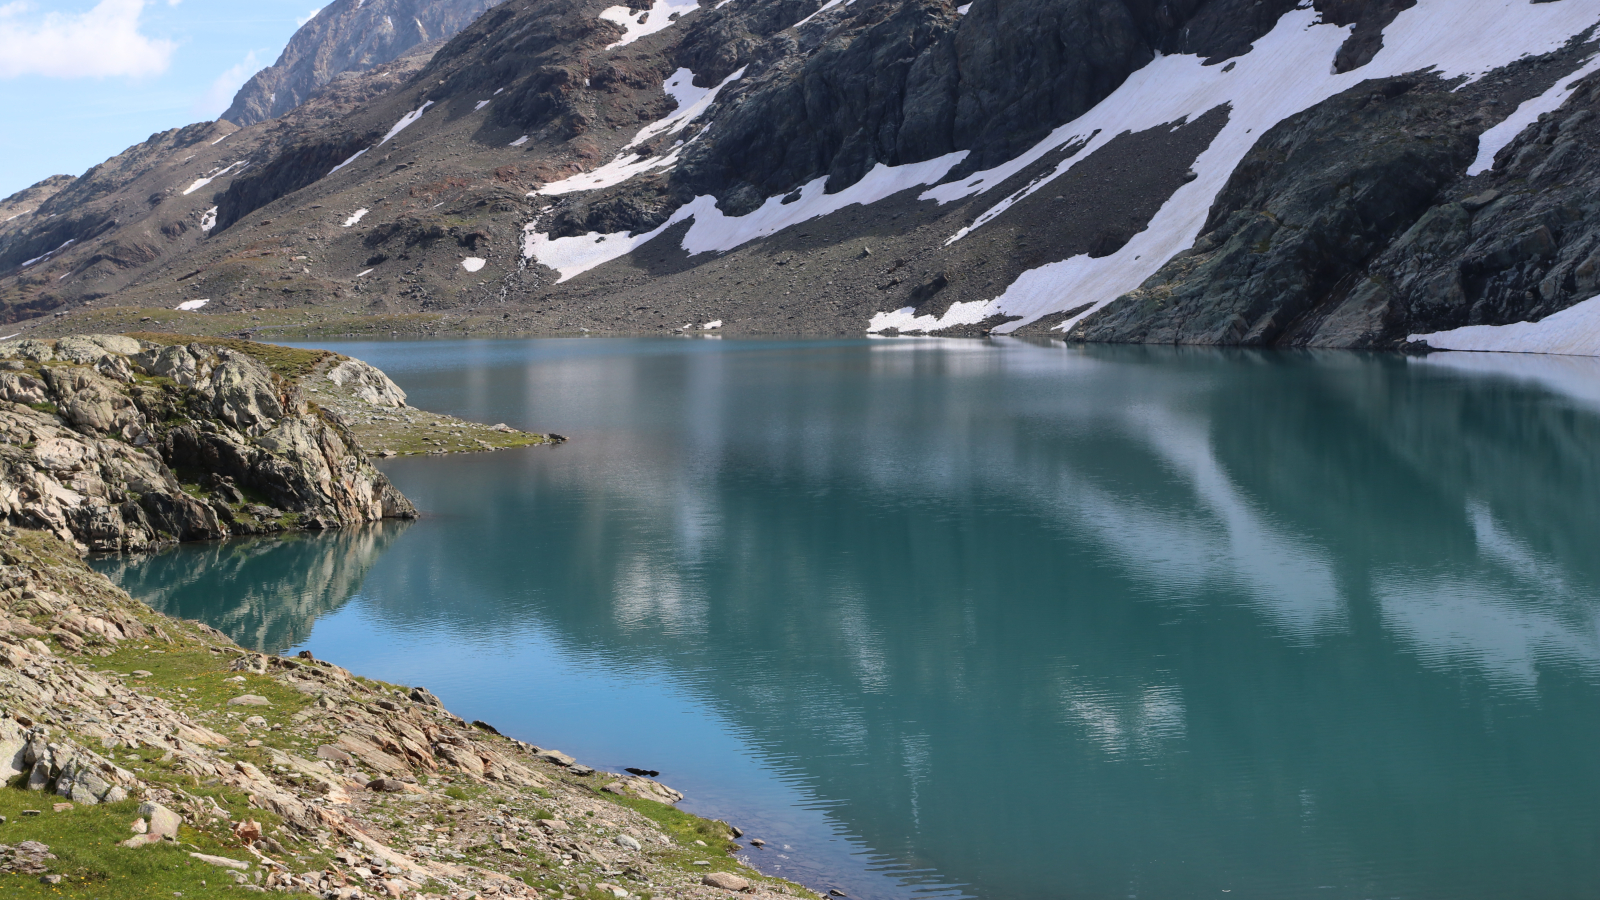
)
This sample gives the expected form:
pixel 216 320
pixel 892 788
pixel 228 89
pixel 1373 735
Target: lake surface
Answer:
pixel 1005 620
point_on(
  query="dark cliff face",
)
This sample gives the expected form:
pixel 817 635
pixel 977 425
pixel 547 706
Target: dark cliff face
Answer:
pixel 1077 168
pixel 347 36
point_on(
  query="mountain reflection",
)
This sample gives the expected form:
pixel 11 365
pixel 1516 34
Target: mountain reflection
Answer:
pixel 1046 621
pixel 265 593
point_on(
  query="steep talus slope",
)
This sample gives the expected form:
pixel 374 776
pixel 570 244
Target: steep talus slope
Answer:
pixel 347 36
pixel 1210 171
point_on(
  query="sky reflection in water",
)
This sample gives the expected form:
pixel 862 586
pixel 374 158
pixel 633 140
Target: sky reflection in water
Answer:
pixel 1002 619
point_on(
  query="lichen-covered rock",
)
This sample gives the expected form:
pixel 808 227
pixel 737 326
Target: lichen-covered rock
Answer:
pixel 367 383
pixel 91 440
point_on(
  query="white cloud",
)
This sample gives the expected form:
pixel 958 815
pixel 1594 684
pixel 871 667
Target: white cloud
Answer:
pixel 219 95
pixel 308 16
pixel 101 41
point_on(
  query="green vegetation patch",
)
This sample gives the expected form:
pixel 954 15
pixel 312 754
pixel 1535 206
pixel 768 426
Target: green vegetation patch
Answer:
pixel 86 843
pixel 685 829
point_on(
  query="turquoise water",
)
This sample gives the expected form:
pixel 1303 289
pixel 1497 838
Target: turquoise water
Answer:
pixel 1004 620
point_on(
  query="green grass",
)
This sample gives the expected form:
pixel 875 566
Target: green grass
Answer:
pixel 685 829
pixel 198 680
pixel 85 841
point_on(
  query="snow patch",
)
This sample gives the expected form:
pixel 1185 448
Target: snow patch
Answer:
pixel 219 140
pixel 822 9
pixel 520 141
pixel 208 219
pixel 712 230
pixel 962 10
pixel 481 104
pixel 405 122
pixel 10 336
pixel 692 103
pixel 1288 71
pixel 191 305
pixel 472 263
pixel 356 217
pixel 213 176
pixel 658 18
pixel 712 325
pixel 347 162
pixel 366 273
pixel 36 259
pixel 1497 138
pixel 1574 331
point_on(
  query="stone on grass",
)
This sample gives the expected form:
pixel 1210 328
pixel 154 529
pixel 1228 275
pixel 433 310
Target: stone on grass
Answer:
pixel 163 822
pixel 249 700
pixel 725 880
pixel 221 861
pixel 627 842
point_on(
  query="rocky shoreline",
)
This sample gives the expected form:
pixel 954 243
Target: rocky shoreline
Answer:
pixel 148 756
pixel 125 442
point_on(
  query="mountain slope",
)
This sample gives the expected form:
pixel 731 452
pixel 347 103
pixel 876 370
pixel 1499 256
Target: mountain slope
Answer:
pixel 1203 171
pixel 346 36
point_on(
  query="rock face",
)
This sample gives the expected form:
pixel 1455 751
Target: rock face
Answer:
pixel 1315 200
pixel 347 36
pixel 367 384
pixel 120 444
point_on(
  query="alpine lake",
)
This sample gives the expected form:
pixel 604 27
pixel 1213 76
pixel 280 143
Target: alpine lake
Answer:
pixel 1000 619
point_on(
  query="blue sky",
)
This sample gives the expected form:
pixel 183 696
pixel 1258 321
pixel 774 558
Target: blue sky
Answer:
pixel 82 80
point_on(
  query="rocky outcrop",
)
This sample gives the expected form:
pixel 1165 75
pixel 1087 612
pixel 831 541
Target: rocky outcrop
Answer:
pixel 347 36
pixel 120 444
pixel 367 384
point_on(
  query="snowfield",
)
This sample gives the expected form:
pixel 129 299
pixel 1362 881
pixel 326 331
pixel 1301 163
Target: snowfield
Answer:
pixel 637 25
pixel 347 162
pixel 1500 136
pixel 1574 331
pixel 213 176
pixel 405 122
pixel 692 103
pixel 1288 71
pixel 712 230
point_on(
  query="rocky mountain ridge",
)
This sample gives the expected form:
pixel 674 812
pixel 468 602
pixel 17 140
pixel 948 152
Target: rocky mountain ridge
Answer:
pixel 346 36
pixel 1205 171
